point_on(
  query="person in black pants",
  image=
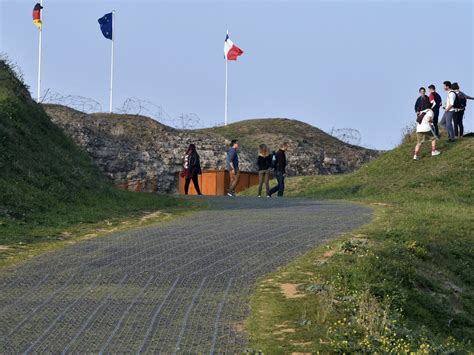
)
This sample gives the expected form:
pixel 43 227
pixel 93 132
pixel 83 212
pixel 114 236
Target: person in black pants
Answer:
pixel 436 103
pixel 191 169
pixel 280 170
pixel 459 111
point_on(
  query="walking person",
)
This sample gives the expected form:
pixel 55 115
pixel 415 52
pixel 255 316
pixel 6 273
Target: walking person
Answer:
pixel 233 166
pixel 422 102
pixel 436 103
pixel 280 170
pixel 191 169
pixel 425 133
pixel 447 120
pixel 459 109
pixel 264 162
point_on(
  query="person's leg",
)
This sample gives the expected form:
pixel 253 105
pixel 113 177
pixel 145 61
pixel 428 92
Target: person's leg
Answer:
pixel 417 149
pixel 281 185
pixel 267 182
pixel 456 123
pixel 460 122
pixel 261 176
pixel 276 187
pixel 196 183
pixel 435 122
pixel 449 124
pixel 433 145
pixel 186 185
pixel 234 181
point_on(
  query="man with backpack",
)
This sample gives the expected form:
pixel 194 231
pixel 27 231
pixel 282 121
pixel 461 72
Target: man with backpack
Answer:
pixel 279 164
pixel 436 102
pixel 459 108
pixel 447 120
pixel 233 166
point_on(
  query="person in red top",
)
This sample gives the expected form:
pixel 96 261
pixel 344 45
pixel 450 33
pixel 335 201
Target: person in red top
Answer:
pixel 436 103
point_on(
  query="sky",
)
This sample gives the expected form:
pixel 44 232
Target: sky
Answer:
pixel 333 64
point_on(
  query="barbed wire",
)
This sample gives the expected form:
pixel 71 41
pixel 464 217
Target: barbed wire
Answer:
pixel 136 106
pixel 347 135
pixel 77 102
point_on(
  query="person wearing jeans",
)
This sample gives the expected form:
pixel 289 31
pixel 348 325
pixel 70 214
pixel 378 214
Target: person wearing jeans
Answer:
pixel 233 166
pixel 263 162
pixel 280 171
pixel 447 120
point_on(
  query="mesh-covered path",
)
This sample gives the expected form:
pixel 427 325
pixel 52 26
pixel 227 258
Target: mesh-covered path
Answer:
pixel 183 286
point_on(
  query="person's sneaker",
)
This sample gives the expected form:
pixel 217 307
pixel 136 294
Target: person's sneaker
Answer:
pixel 230 194
pixel 259 196
pixel 268 196
pixel 416 157
pixel 435 153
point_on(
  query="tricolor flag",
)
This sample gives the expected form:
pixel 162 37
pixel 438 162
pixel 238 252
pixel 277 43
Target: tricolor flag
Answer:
pixel 231 51
pixel 37 15
pixel 105 23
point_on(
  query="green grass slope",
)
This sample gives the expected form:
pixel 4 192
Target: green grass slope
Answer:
pixel 48 186
pixel 403 283
pixel 274 131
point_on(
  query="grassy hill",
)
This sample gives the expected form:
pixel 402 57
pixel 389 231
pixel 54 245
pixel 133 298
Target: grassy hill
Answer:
pixel 49 188
pixel 313 152
pixel 274 131
pixel 403 283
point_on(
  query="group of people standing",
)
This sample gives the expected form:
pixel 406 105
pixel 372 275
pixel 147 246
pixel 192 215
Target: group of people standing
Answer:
pixel 427 110
pixel 267 163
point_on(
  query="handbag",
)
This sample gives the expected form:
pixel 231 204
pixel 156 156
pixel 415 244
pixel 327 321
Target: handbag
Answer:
pixel 420 117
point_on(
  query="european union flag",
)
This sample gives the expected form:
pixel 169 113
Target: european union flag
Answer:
pixel 105 23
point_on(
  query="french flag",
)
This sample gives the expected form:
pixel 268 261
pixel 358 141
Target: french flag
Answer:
pixel 231 51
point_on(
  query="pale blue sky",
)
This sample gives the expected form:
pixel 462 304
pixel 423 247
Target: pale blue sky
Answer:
pixel 339 64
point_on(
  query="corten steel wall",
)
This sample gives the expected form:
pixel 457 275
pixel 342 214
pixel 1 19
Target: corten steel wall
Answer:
pixel 216 182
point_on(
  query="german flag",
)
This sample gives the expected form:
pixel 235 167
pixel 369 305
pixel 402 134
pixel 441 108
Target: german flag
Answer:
pixel 37 15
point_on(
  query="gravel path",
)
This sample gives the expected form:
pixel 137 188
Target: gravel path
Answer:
pixel 182 286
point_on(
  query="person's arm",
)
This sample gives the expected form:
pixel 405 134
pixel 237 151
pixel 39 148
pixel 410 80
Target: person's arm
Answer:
pixel 432 101
pixel 468 97
pixel 416 105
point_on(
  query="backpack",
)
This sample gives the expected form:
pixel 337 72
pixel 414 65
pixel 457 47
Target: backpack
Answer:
pixel 273 162
pixel 460 101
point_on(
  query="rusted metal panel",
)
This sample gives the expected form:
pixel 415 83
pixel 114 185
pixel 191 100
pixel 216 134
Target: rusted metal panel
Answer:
pixel 216 182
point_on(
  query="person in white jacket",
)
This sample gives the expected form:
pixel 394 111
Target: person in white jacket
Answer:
pixel 424 133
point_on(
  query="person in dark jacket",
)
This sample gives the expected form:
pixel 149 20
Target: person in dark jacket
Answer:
pixel 232 165
pixel 423 102
pixel 436 103
pixel 191 169
pixel 264 162
pixel 280 170
pixel 459 111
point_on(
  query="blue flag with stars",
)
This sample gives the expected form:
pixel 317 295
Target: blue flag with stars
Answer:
pixel 105 23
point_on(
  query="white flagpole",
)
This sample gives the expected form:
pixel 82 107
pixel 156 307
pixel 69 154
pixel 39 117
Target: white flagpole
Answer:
pixel 39 54
pixel 226 105
pixel 112 62
pixel 226 92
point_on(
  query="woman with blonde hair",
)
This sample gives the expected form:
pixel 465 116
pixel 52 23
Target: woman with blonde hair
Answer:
pixel 264 163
